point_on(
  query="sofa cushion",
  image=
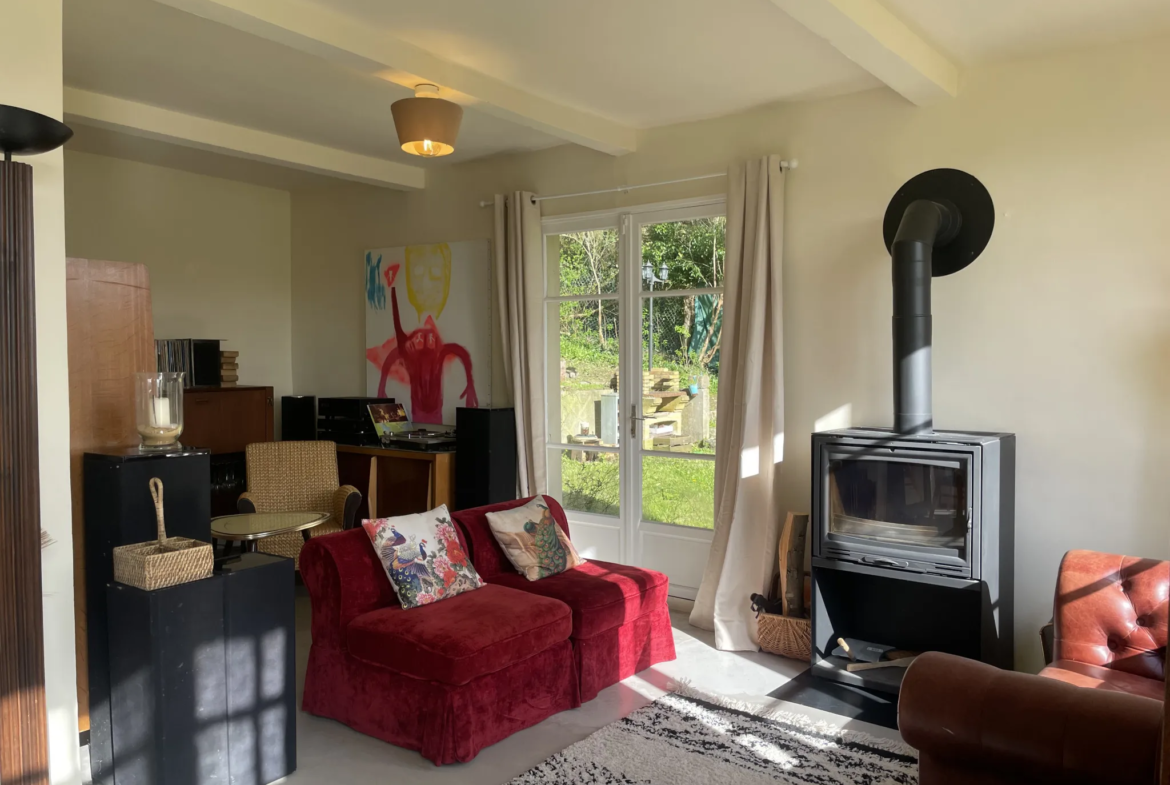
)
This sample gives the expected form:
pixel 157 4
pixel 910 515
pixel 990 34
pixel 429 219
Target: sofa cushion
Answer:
pixel 602 595
pixel 422 556
pixel 460 638
pixel 533 542
pixel 486 554
pixel 1097 677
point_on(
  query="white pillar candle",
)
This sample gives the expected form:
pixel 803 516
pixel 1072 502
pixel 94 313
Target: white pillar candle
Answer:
pixel 162 412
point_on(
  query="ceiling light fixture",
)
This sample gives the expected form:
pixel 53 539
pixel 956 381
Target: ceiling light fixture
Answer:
pixel 427 125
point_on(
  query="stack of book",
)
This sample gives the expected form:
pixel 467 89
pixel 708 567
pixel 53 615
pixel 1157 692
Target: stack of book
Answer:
pixel 229 368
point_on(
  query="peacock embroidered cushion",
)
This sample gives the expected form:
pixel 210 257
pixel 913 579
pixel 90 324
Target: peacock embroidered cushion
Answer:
pixel 532 541
pixel 422 557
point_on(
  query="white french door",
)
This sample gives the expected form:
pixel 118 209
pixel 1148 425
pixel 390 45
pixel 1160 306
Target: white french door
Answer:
pixel 633 316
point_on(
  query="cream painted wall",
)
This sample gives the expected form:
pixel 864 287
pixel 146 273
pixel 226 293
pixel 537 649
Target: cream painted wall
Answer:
pixel 1060 332
pixel 217 251
pixel 30 77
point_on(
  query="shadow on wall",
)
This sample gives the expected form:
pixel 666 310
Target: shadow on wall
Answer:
pixel 1151 380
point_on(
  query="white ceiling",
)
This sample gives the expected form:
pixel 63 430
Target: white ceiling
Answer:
pixel 587 71
pixel 979 31
pixel 148 52
pixel 641 62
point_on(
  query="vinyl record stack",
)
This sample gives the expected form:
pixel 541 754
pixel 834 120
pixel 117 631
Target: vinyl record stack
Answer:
pixel 229 368
pixel 195 358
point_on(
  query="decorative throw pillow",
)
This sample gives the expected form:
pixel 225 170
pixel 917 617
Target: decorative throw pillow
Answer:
pixel 422 557
pixel 532 541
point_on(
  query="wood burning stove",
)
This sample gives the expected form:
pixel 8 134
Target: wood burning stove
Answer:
pixel 913 529
pixel 930 504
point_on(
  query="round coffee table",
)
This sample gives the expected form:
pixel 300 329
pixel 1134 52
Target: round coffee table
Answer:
pixel 248 528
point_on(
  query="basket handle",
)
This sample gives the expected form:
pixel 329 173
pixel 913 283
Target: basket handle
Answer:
pixel 156 493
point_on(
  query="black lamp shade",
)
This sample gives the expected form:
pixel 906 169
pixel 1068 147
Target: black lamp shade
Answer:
pixel 24 132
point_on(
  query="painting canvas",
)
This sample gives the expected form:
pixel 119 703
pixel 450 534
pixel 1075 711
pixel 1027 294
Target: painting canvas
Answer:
pixel 428 327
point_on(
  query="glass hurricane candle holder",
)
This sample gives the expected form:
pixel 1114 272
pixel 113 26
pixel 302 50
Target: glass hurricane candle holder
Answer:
pixel 159 398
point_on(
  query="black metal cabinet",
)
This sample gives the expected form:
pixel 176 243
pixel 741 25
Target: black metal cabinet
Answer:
pixel 260 639
pixel 168 696
pixel 203 674
pixel 119 511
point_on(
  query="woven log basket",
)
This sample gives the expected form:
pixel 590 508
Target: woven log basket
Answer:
pixel 788 636
pixel 168 561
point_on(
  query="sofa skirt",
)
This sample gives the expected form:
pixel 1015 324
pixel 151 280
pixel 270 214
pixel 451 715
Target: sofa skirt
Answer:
pixel 445 723
pixel 618 653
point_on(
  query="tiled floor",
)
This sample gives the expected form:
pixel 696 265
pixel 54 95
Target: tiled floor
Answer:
pixel 329 752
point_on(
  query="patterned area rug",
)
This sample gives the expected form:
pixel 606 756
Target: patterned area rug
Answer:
pixel 686 737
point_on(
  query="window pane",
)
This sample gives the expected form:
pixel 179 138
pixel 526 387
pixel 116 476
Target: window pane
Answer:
pixel 582 262
pixel 683 254
pixel 585 481
pixel 680 371
pixel 680 491
pixel 583 390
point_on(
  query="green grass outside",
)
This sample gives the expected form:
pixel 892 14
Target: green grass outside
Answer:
pixel 674 490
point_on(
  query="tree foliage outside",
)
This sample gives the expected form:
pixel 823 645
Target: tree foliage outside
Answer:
pixel 692 254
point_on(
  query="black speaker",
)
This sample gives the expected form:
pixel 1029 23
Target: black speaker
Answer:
pixel 298 418
pixel 119 511
pixel 205 362
pixel 485 456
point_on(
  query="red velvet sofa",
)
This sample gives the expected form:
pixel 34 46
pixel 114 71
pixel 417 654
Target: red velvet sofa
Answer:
pixel 453 677
pixel 621 623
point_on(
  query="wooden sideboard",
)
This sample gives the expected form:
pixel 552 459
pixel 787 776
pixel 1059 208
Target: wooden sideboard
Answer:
pixel 226 420
pixel 397 482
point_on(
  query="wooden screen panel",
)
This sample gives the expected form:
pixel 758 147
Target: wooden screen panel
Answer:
pixel 111 338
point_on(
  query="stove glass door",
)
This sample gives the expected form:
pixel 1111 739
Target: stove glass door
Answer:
pixel 900 502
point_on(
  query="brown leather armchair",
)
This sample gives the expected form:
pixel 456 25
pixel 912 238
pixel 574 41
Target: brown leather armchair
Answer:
pixel 1093 716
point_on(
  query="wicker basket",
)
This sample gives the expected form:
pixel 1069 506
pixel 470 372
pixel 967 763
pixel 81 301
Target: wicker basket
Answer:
pixel 787 636
pixel 167 562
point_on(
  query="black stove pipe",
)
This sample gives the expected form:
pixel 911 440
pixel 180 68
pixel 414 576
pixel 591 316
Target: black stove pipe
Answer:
pixel 926 224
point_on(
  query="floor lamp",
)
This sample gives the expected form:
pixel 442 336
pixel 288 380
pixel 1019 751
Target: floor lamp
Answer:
pixel 24 748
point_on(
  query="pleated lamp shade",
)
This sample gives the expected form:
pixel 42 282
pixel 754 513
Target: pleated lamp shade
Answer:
pixel 427 125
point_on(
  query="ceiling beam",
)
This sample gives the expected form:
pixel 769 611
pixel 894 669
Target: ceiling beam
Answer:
pixel 875 39
pixel 152 122
pixel 318 30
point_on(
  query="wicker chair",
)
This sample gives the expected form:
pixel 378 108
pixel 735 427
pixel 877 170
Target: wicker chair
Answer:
pixel 293 477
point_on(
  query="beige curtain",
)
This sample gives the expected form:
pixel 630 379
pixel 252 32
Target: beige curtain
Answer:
pixel 519 276
pixel 751 408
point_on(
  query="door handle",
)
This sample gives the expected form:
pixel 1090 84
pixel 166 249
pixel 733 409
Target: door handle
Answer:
pixel 882 561
pixel 634 420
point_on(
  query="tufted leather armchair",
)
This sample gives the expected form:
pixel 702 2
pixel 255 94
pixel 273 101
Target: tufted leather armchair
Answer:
pixel 1110 616
pixel 1093 716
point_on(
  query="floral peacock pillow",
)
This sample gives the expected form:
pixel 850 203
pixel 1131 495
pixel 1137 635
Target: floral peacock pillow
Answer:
pixel 532 541
pixel 422 557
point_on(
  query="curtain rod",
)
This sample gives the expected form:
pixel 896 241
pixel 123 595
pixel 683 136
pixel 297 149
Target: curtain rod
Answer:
pixel 623 188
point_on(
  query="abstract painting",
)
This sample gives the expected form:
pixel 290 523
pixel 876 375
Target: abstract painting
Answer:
pixel 428 327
